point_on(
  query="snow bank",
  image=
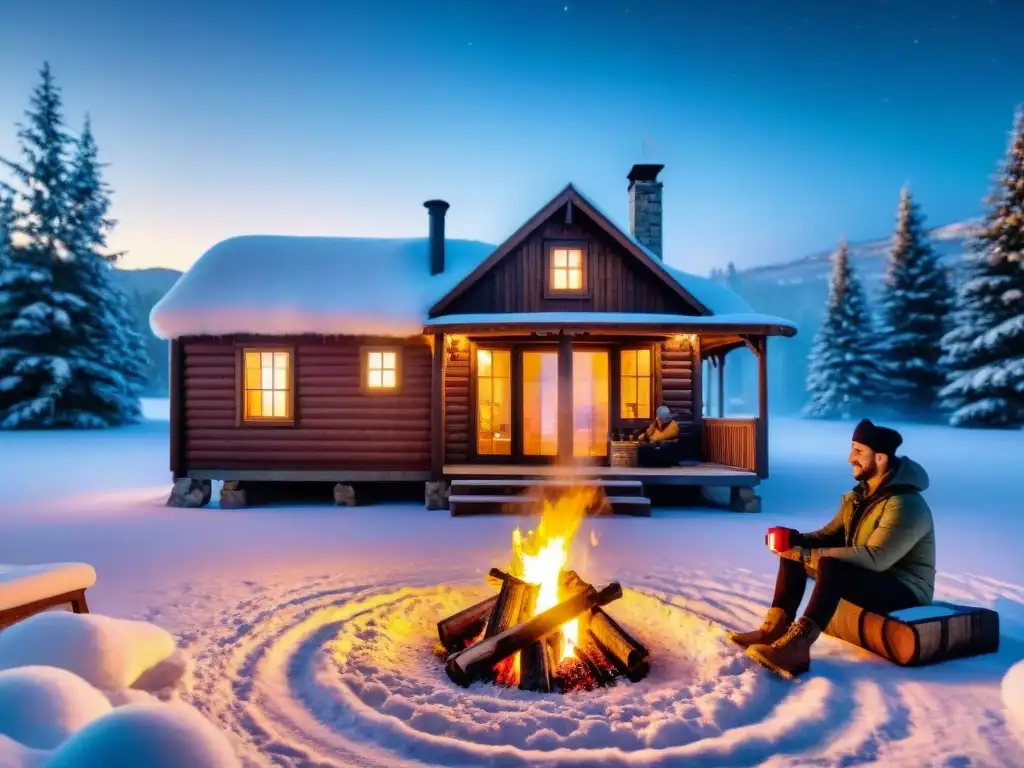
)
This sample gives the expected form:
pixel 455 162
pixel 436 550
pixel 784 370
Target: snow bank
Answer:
pixel 108 653
pixel 22 584
pixel 41 706
pixel 152 735
pixel 1012 690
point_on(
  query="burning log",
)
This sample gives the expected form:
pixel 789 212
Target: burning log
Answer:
pixel 462 667
pixel 454 631
pixel 590 655
pixel 536 668
pixel 570 583
pixel 513 602
pixel 628 654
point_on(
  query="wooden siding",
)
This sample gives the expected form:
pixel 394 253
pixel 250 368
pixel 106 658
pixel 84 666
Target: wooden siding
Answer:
pixel 617 281
pixel 676 390
pixel 456 407
pixel 336 425
pixel 732 442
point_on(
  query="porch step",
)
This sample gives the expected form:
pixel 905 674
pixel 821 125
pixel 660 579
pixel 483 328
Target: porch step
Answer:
pixel 510 486
pixel 526 504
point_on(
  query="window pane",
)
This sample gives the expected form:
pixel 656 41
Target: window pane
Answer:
pixel 252 360
pixel 575 258
pixel 575 279
pixel 268 403
pixel 253 400
pixel 374 362
pixel 388 360
pixel 281 404
pixel 559 258
pixel 281 360
pixel 628 360
pixel 629 400
pixel 502 363
pixel 267 377
pixel 483 363
pixel 266 359
pixel 389 379
pixel 643 362
pixel 643 398
pixel 280 379
pixel 252 378
pixel 559 279
pixel 376 377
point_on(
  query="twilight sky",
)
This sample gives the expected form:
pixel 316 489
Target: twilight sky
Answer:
pixel 783 124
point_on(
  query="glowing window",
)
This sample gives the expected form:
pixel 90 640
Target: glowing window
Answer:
pixel 381 369
pixel 635 384
pixel 494 402
pixel 268 385
pixel 566 273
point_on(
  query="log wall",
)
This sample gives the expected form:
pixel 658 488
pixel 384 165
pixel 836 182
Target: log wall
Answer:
pixel 336 427
pixel 678 385
pixel 457 417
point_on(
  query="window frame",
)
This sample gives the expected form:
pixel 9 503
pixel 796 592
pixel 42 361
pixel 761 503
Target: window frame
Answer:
pixel 650 377
pixel 550 292
pixel 475 383
pixel 364 370
pixel 241 420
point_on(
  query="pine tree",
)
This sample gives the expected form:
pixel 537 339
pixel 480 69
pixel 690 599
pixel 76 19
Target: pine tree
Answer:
pixel 36 325
pixel 985 351
pixel 843 378
pixel 109 365
pixel 916 302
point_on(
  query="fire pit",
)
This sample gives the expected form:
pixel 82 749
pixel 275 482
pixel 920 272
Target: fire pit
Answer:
pixel 546 629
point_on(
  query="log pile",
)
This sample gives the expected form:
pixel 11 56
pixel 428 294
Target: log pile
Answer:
pixel 501 640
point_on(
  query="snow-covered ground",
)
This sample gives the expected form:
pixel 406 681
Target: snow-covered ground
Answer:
pixel 312 628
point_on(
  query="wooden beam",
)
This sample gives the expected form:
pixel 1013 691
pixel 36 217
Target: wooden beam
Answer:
pixel 76 599
pixel 313 475
pixel 437 408
pixel 568 212
pixel 762 407
pixel 565 405
pixel 721 385
pixel 176 391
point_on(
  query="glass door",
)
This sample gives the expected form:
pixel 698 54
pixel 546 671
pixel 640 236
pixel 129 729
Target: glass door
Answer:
pixel 540 403
pixel 493 402
pixel 591 397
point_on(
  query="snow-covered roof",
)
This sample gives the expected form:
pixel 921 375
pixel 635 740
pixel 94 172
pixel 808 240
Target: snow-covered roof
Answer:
pixel 278 285
pixel 683 323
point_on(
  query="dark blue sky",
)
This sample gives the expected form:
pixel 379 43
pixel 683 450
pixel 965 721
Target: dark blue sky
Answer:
pixel 783 125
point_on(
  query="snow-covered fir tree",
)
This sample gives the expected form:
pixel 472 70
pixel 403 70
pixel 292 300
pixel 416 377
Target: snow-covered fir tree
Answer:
pixel 916 302
pixel 109 368
pixel 843 378
pixel 985 350
pixel 35 327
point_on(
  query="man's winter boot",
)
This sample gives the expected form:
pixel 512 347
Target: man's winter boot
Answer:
pixel 776 622
pixel 790 655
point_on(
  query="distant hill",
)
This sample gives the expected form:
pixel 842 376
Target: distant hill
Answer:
pixel 151 280
pixel 146 287
pixel 798 290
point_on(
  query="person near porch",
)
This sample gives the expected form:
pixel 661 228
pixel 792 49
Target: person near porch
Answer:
pixel 659 444
pixel 878 552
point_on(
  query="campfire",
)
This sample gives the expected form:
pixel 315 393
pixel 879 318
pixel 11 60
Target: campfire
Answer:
pixel 546 629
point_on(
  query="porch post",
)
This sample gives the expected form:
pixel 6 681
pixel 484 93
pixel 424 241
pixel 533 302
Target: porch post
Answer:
pixel 565 405
pixel 762 407
pixel 721 385
pixel 697 369
pixel 437 408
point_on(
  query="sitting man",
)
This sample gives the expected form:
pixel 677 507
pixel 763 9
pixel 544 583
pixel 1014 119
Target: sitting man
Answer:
pixel 878 552
pixel 659 444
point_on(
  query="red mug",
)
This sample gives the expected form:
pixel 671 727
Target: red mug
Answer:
pixel 777 539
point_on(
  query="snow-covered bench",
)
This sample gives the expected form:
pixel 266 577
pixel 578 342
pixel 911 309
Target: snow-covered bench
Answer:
pixel 918 636
pixel 29 589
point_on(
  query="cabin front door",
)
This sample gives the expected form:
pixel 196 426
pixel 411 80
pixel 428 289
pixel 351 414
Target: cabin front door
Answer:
pixel 591 398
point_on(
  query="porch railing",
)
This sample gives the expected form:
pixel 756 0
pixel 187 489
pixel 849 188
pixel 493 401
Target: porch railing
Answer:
pixel 732 442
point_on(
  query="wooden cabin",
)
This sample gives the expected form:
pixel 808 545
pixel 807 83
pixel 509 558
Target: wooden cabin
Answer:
pixel 356 360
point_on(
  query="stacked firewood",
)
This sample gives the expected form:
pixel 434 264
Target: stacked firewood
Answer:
pixel 481 642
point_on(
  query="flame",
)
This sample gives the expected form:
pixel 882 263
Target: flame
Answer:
pixel 541 555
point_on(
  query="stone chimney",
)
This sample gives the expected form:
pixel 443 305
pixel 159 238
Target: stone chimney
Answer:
pixel 436 209
pixel 645 206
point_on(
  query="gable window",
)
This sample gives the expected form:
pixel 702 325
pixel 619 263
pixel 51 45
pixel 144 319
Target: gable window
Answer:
pixel 635 384
pixel 267 385
pixel 381 370
pixel 567 269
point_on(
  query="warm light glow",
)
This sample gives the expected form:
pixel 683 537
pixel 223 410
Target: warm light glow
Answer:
pixel 494 402
pixel 382 370
pixel 541 555
pixel 635 386
pixel 566 269
pixel 267 385
pixel 540 403
pixel 591 398
pixel 682 340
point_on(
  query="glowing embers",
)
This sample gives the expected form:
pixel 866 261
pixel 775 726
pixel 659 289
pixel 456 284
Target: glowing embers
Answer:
pixel 546 629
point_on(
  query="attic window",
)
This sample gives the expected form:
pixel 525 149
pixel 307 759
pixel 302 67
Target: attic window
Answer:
pixel 267 386
pixel 567 270
pixel 380 370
